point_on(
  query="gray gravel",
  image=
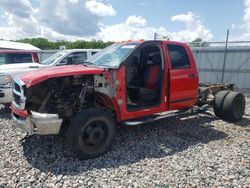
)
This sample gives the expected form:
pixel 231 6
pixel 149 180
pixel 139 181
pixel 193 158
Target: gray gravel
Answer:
pixel 198 151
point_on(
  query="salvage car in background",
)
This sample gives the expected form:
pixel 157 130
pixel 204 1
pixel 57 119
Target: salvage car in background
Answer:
pixel 17 57
pixel 64 57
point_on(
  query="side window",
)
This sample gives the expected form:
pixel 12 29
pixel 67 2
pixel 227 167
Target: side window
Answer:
pixel 93 53
pixel 74 58
pixel 178 56
pixel 2 59
pixel 79 57
pixel 18 58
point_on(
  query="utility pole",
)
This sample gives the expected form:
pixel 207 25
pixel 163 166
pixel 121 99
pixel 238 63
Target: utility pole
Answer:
pixel 155 36
pixel 225 58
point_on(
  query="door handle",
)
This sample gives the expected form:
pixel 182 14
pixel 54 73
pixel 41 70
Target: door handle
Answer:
pixel 191 75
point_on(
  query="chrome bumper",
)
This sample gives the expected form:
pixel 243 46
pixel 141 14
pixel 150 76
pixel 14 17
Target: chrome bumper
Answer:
pixel 38 123
pixel 5 95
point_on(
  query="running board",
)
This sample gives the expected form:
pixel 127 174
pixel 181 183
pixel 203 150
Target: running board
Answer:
pixel 155 118
pixel 190 111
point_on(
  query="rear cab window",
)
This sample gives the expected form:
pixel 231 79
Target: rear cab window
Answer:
pixel 178 57
pixel 12 58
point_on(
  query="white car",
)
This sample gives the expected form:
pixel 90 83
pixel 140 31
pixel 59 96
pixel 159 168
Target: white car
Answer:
pixel 64 57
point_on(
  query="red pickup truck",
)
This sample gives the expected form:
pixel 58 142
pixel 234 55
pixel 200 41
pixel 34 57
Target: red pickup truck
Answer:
pixel 128 83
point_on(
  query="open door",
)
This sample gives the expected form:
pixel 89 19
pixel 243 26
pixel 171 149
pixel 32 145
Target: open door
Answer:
pixel 145 76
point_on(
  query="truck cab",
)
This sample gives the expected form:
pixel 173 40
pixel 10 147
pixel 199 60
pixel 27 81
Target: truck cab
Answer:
pixel 129 83
pixel 154 75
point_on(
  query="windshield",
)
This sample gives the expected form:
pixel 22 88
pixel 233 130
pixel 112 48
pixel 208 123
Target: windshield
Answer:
pixel 53 58
pixel 113 55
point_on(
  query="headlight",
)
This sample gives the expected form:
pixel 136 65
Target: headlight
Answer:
pixel 5 80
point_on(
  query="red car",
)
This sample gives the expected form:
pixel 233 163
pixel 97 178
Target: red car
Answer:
pixel 128 83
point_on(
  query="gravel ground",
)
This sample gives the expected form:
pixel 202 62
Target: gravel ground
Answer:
pixel 198 151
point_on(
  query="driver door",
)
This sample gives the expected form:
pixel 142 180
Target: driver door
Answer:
pixel 122 95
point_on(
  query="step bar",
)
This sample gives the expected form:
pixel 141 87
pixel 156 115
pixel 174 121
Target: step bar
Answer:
pixel 150 119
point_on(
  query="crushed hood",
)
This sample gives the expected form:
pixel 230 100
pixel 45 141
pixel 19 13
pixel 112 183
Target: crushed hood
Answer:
pixel 43 74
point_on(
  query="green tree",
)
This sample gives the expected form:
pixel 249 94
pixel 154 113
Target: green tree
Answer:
pixel 199 43
pixel 45 44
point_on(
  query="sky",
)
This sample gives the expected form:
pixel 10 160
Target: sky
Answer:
pixel 117 20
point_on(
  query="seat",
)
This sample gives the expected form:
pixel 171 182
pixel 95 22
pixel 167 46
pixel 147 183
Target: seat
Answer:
pixel 131 71
pixel 131 80
pixel 152 77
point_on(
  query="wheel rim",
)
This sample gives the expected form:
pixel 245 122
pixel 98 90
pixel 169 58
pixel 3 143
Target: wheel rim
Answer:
pixel 94 135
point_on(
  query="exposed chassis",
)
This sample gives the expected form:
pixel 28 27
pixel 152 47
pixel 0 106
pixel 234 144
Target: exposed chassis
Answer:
pixel 207 91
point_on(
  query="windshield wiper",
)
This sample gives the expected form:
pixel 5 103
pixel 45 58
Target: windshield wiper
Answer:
pixel 89 64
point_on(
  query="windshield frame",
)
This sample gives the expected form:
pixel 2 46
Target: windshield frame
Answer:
pixel 54 58
pixel 92 60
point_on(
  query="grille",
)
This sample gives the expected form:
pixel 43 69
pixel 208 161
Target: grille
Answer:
pixel 18 94
pixel 17 98
pixel 17 87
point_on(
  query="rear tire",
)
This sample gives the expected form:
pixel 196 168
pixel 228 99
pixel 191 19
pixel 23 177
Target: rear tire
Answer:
pixel 90 133
pixel 234 106
pixel 218 103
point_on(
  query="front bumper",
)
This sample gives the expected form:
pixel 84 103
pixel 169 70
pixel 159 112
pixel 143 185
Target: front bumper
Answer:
pixel 38 123
pixel 5 95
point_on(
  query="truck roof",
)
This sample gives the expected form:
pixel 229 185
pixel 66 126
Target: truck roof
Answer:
pixel 17 46
pixel 18 51
pixel 145 41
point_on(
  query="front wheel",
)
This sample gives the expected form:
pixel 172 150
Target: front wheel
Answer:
pixel 90 133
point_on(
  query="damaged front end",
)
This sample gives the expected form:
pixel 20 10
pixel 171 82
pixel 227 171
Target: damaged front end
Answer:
pixel 33 122
pixel 42 108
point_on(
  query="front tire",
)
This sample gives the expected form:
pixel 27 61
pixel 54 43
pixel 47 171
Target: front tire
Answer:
pixel 90 133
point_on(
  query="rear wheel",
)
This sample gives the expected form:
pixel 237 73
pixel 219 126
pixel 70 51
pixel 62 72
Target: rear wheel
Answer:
pixel 218 103
pixel 234 106
pixel 90 133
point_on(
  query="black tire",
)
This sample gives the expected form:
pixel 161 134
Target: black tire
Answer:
pixel 90 133
pixel 218 103
pixel 7 105
pixel 64 127
pixel 234 106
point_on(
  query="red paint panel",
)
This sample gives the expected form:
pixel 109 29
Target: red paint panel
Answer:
pixel 181 86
